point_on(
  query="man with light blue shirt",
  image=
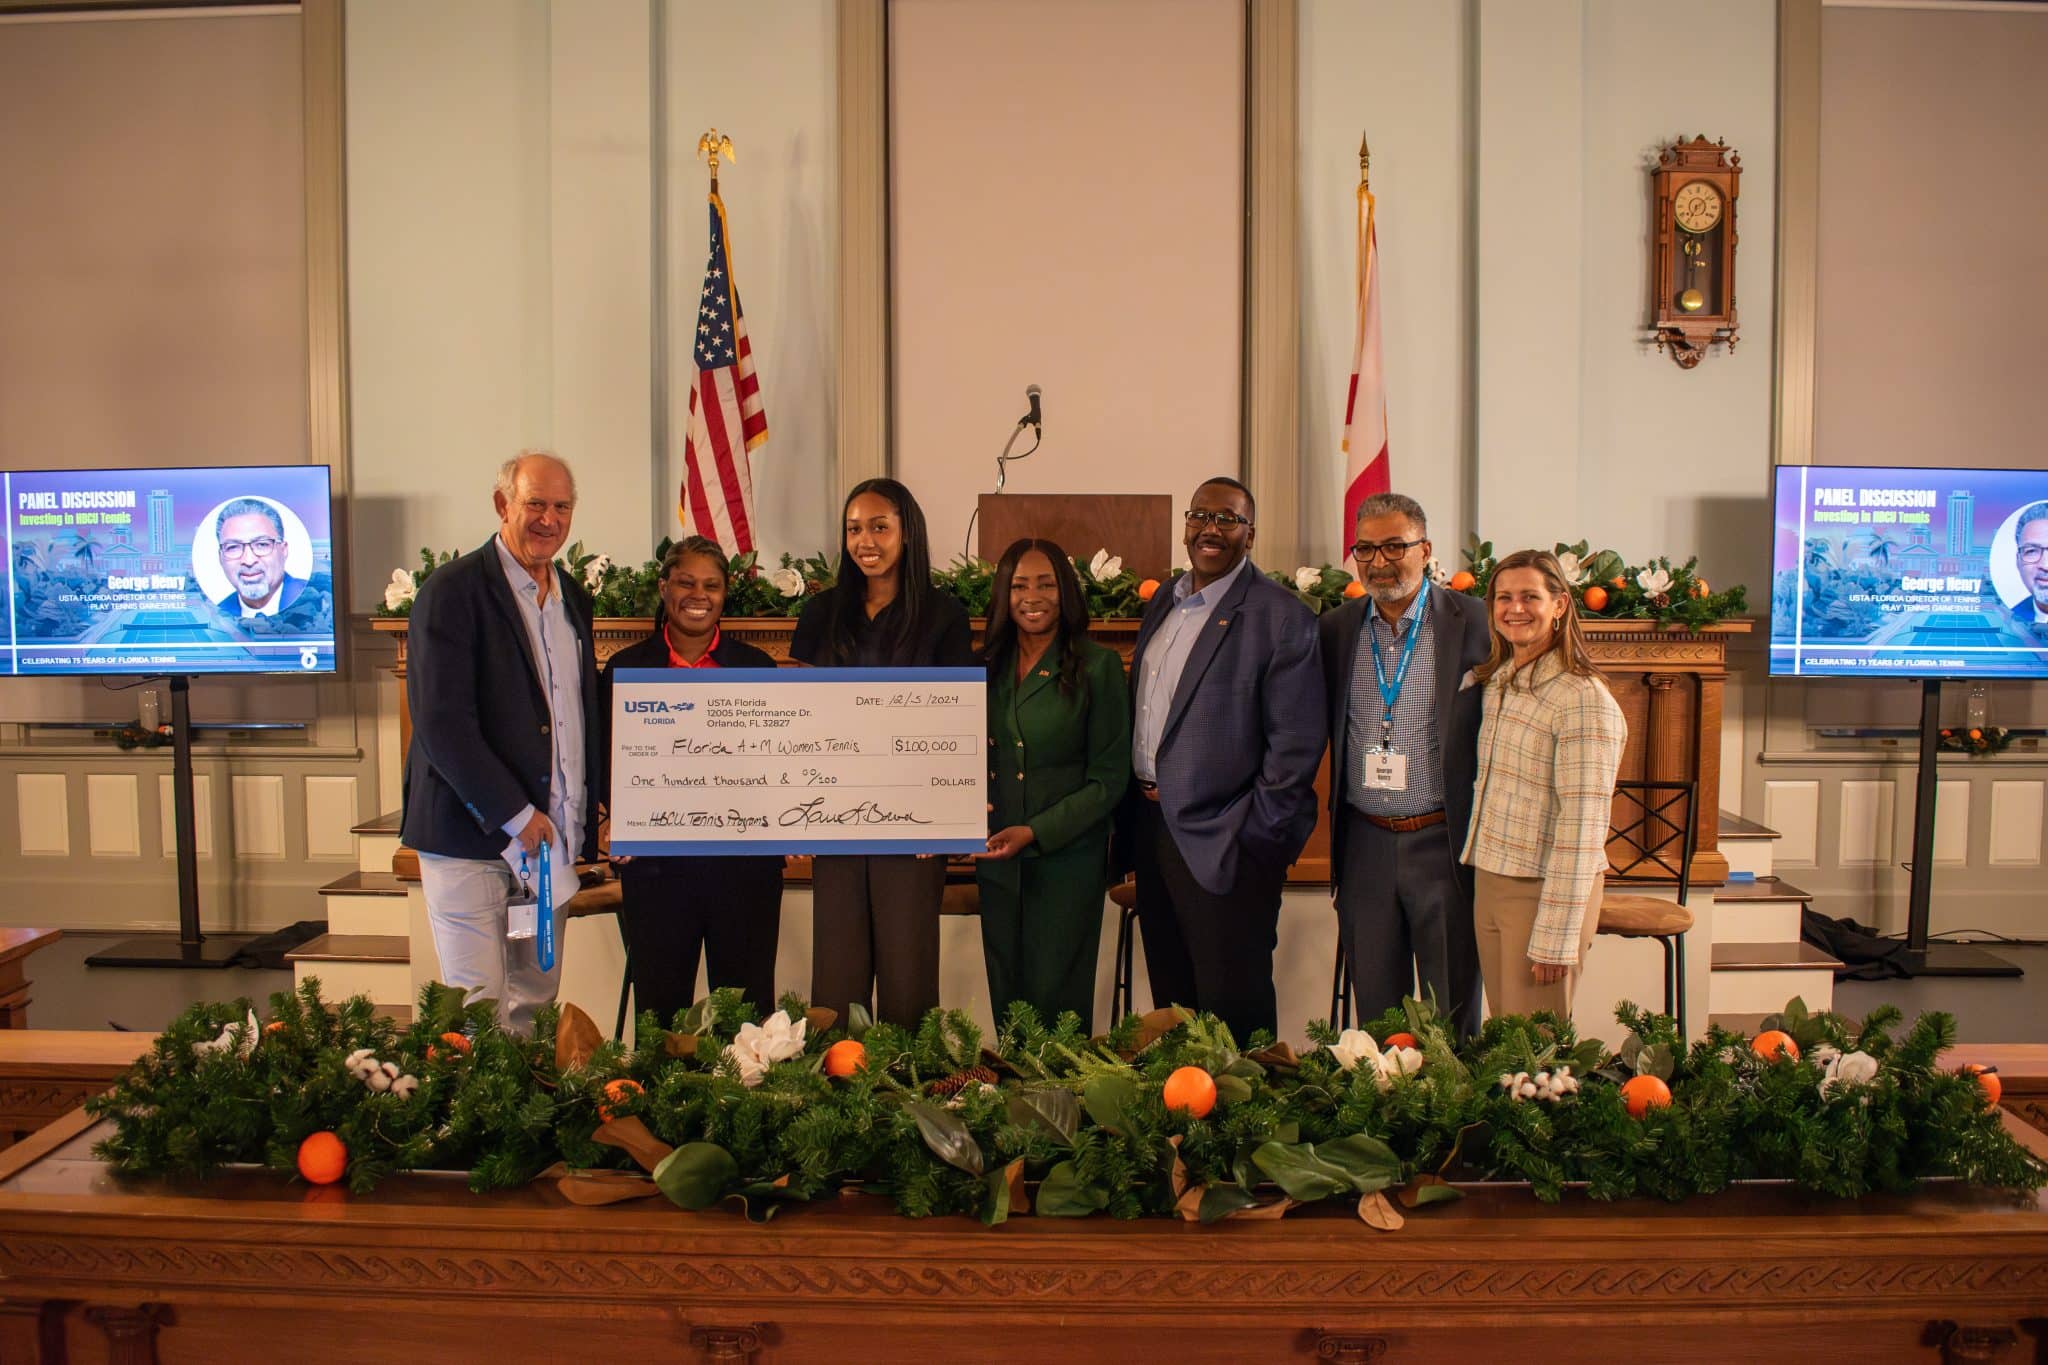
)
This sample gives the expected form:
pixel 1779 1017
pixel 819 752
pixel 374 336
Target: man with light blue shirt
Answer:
pixel 1228 729
pixel 501 679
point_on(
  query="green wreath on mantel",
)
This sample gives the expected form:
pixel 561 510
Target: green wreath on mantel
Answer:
pixel 1166 1115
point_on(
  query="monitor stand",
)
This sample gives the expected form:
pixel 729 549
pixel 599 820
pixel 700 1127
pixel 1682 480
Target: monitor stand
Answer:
pixel 1921 957
pixel 191 948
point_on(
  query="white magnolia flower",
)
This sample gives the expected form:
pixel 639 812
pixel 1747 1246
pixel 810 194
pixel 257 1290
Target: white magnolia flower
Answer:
pixel 242 1047
pixel 788 582
pixel 593 572
pixel 1653 581
pixel 404 1086
pixel 1839 1069
pixel 760 1046
pixel 1436 571
pixel 1104 566
pixel 1398 1061
pixel 400 590
pixel 1352 1046
pixel 1306 578
pixel 1574 571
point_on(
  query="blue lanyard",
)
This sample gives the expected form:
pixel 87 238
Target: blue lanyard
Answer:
pixel 1392 694
pixel 544 927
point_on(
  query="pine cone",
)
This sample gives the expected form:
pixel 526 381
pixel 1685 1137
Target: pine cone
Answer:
pixel 952 1085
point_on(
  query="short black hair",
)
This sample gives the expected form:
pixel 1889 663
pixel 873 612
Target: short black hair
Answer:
pixel 1226 481
pixel 242 507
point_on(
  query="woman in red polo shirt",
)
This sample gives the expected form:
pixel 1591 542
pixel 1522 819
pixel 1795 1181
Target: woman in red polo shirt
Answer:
pixel 729 908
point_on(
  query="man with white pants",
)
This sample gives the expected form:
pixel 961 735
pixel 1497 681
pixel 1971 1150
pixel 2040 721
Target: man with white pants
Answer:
pixel 501 679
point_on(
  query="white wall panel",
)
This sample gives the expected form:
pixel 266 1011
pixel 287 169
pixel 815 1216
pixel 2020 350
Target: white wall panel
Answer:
pixel 42 806
pixel 2015 824
pixel 259 816
pixel 113 817
pixel 330 811
pixel 202 814
pixel 1793 809
pixel 1951 823
pixel 1866 811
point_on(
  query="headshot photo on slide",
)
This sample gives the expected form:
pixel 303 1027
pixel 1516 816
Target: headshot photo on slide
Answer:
pixel 2003 557
pixel 251 570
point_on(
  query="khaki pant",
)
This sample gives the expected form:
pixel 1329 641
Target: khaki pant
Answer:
pixel 1503 914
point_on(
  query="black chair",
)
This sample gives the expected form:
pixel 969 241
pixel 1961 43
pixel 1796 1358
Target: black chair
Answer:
pixel 1651 838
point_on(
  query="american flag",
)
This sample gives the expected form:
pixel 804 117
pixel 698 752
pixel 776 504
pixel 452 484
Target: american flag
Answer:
pixel 1366 468
pixel 726 417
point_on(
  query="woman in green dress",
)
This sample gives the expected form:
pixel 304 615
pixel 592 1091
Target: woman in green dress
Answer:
pixel 1059 725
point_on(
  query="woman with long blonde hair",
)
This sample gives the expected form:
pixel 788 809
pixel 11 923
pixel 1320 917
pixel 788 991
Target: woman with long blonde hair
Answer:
pixel 1550 741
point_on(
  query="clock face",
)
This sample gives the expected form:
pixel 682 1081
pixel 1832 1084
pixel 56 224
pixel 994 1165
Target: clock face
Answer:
pixel 1697 207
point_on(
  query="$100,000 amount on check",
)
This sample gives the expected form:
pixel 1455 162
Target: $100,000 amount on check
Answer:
pixel 799 760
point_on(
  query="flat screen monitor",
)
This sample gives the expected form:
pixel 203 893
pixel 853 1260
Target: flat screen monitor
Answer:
pixel 221 569
pixel 1909 573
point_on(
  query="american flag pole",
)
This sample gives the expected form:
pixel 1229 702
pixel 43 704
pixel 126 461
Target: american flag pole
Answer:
pixel 1366 467
pixel 727 420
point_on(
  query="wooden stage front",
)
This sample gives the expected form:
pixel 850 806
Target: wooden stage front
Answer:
pixel 256 1268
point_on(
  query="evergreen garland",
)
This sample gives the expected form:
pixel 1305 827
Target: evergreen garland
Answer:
pixel 1079 1118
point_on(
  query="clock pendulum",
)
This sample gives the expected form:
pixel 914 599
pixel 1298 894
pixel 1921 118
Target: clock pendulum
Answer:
pixel 1692 300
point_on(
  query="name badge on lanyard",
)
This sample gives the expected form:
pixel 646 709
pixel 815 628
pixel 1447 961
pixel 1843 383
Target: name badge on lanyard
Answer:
pixel 1386 769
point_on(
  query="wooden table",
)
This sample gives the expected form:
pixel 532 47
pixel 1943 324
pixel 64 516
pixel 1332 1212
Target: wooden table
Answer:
pixel 423 1269
pixel 46 1073
pixel 15 946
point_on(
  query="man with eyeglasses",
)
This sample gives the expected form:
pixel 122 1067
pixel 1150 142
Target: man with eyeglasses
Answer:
pixel 2031 551
pixel 1404 752
pixel 501 678
pixel 253 550
pixel 1228 695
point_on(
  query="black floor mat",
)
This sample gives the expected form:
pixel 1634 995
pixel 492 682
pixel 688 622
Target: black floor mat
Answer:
pixel 268 952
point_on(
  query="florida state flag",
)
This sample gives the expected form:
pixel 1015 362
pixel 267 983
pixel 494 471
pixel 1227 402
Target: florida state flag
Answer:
pixel 1365 412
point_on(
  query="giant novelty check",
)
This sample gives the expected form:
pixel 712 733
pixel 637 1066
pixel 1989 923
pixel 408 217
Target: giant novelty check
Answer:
pixel 799 760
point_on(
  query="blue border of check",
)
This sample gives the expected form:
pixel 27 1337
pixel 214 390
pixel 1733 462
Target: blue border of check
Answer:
pixel 684 677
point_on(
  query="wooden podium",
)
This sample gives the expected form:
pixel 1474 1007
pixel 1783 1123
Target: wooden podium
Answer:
pixel 1135 527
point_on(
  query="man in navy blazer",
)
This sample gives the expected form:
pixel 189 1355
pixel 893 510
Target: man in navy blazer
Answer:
pixel 1227 732
pixel 501 679
pixel 1404 753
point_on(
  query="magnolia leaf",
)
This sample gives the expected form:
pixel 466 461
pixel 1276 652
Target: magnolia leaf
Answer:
pixel 1233 1089
pixel 996 1207
pixel 1280 1054
pixel 1287 1131
pixel 697 1019
pixel 1188 1203
pixel 1427 1189
pixel 1244 1068
pixel 1378 1212
pixel 763 1199
pixel 1108 1098
pixel 947 1136
pixel 576 1039
pixel 1631 1048
pixel 680 1044
pixel 1157 1024
pixel 1655 1061
pixel 1469 1144
pixel 696 1175
pixel 1261 1213
pixel 858 1020
pixel 1063 1195
pixel 820 1018
pixel 1371 1164
pixel 1050 1110
pixel 593 1188
pixel 1217 1202
pixel 635 1139
pixel 1020 1195
pixel 1177 1172
pixel 1300 1173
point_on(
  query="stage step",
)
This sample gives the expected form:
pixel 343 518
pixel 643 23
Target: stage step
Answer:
pixel 1747 845
pixel 1748 1025
pixel 371 903
pixel 378 966
pixel 1766 910
pixel 376 842
pixel 1758 978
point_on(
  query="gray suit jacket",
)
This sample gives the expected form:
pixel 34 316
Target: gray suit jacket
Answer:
pixel 1237 757
pixel 1462 643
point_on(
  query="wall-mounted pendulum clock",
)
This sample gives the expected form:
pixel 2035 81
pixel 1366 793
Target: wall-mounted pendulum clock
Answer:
pixel 1694 187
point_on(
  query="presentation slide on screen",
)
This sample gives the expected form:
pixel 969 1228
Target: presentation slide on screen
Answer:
pixel 1910 573
pixel 137 571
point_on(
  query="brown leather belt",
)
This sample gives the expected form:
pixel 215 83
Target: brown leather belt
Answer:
pixel 1148 790
pixel 1405 824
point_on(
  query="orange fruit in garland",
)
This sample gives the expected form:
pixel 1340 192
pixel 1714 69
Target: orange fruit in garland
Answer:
pixel 1596 598
pixel 1617 582
pixel 616 1093
pixel 275 1026
pixel 1700 588
pixel 1773 1042
pixel 322 1158
pixel 1987 1081
pixel 1462 581
pixel 1643 1093
pixel 454 1042
pixel 1400 1040
pixel 845 1057
pixel 1147 588
pixel 1354 589
pixel 1190 1091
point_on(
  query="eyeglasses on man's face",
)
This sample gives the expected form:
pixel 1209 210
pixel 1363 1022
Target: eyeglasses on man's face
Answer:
pixel 1222 521
pixel 1391 551
pixel 2031 554
pixel 235 549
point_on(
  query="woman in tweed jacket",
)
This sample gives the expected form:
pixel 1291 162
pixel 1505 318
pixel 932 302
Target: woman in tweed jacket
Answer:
pixel 1549 744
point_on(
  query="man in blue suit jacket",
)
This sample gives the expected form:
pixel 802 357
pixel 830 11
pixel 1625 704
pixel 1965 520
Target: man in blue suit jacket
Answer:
pixel 1229 726
pixel 501 679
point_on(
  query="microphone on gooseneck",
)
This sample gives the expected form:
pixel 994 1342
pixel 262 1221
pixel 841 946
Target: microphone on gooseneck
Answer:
pixel 1032 418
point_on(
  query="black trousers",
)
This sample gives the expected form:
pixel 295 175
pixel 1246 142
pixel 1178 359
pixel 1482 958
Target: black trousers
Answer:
pixel 1203 950
pixel 875 934
pixel 1404 916
pixel 729 909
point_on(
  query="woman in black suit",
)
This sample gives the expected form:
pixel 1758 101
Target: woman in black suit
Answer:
pixel 875 919
pixel 729 907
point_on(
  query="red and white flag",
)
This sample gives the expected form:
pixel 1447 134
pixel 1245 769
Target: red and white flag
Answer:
pixel 727 421
pixel 1366 470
